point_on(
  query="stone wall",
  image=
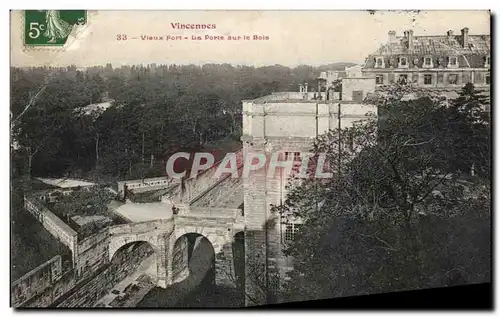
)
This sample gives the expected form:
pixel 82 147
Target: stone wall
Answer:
pixel 56 290
pixel 225 274
pixel 88 293
pixel 141 227
pixel 255 201
pixel 53 224
pixel 139 185
pixel 193 188
pixel 273 125
pixel 180 266
pixel 265 263
pixel 212 212
pixel 364 84
pixel 36 281
pixel 92 254
pixel 223 189
pixel 72 290
pixel 300 119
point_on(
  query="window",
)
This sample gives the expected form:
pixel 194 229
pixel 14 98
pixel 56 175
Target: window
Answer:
pixel 274 283
pixel 427 61
pixel 291 230
pixel 440 78
pixel 453 79
pixel 379 79
pixel 403 79
pixel 380 62
pixel 453 61
pixel 296 156
pixel 487 79
pixel 403 61
pixel 427 79
pixel 487 62
pixel 357 95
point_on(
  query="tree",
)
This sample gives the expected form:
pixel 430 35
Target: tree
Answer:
pixel 397 215
pixel 154 110
pixel 470 124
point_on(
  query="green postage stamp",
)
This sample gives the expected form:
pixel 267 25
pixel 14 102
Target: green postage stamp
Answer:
pixel 52 28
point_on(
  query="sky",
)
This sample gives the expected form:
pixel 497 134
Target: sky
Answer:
pixel 295 37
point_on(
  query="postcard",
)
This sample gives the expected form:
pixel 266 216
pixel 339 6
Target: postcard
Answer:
pixel 246 158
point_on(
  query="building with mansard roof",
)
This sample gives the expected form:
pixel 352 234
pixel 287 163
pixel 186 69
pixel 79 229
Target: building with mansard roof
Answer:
pixel 442 62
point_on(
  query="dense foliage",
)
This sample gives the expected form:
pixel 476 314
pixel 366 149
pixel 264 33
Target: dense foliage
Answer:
pixel 402 211
pixel 156 110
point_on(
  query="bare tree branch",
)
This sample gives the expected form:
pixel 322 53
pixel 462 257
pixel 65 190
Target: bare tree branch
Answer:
pixel 30 103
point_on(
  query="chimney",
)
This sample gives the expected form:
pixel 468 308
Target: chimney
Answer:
pixel 305 87
pixel 301 88
pixel 465 37
pixel 392 36
pixel 410 40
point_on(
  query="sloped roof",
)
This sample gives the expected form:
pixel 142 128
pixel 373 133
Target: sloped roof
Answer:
pixel 477 44
pixel 96 108
pixel 139 212
pixel 65 182
pixel 472 55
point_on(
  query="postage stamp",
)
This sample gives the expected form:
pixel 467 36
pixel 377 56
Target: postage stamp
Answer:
pixel 52 29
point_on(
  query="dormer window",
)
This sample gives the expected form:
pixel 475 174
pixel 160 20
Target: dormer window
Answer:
pixel 428 62
pixel 452 62
pixel 403 62
pixel 379 62
pixel 487 62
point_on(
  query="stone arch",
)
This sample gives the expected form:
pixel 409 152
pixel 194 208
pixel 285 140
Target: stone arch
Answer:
pixel 117 243
pixel 129 255
pixel 192 243
pixel 214 239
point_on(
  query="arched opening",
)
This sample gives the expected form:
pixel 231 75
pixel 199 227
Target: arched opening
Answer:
pixel 195 267
pixel 193 260
pixel 133 270
pixel 193 275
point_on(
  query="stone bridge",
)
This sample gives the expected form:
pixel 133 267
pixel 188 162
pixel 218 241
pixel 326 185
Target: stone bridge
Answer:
pixel 207 207
pixel 169 240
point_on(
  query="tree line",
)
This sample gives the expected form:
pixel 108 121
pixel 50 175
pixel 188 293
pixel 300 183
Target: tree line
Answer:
pixel 155 109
